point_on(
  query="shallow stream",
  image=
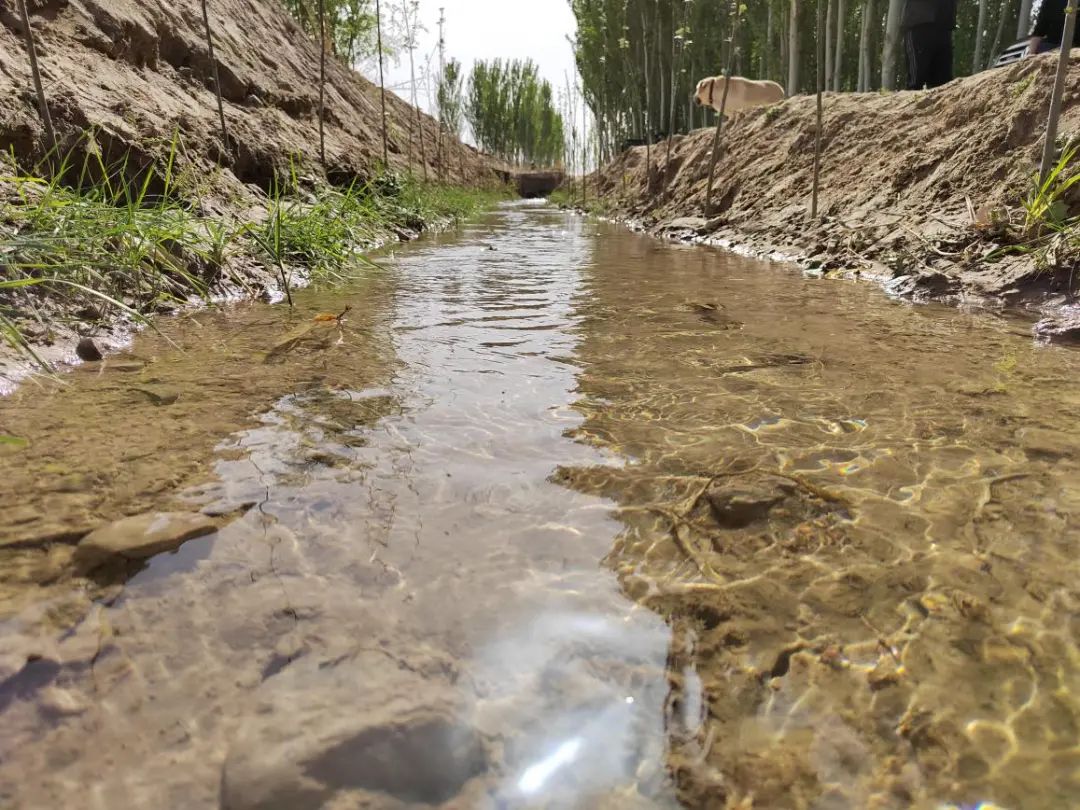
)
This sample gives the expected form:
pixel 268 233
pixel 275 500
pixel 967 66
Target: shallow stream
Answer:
pixel 557 516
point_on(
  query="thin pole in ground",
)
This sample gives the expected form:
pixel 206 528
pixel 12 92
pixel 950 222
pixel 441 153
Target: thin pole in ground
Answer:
pixel 1050 147
pixel 821 56
pixel 322 82
pixel 382 84
pixel 217 79
pixel 737 12
pixel 440 158
pixel 35 71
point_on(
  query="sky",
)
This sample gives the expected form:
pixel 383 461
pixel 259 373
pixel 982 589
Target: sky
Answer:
pixel 487 29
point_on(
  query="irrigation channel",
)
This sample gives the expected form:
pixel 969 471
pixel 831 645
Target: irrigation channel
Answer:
pixel 557 516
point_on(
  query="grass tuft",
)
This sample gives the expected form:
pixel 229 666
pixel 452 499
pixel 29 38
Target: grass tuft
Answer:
pixel 1045 207
pixel 98 242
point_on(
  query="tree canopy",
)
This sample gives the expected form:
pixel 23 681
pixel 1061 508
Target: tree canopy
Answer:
pixel 350 25
pixel 512 113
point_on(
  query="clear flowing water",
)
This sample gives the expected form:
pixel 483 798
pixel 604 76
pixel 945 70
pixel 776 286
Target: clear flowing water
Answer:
pixel 560 517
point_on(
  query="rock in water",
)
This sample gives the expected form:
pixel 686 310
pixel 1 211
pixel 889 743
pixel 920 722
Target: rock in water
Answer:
pixel 140 537
pixel 738 504
pixel 1061 328
pixel 371 729
pixel 87 350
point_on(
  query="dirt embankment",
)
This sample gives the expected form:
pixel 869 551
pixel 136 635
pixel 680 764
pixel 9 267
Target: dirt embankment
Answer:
pixel 130 83
pixel 138 71
pixel 923 191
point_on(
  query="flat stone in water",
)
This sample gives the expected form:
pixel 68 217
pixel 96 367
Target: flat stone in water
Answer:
pixel 140 537
pixel 370 729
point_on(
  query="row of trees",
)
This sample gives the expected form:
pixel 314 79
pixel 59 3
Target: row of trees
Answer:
pixel 640 60
pixel 512 112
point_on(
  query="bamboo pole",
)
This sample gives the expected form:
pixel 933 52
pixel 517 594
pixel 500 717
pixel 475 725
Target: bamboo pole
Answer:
pixel 35 71
pixel 1050 146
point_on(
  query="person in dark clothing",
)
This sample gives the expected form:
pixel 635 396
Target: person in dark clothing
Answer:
pixel 1049 28
pixel 928 38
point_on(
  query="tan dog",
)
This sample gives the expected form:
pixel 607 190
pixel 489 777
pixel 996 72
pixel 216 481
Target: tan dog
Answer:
pixel 744 94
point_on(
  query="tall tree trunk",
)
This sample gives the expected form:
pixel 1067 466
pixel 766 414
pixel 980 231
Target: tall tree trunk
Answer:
pixel 838 69
pixel 1023 24
pixel 892 45
pixel 584 151
pixel 767 51
pixel 866 47
pixel 793 50
pixel 660 83
pixel 648 94
pixel 785 56
pixel 690 102
pixel 980 32
pixel 39 89
pixel 828 54
pixel 995 49
pixel 671 99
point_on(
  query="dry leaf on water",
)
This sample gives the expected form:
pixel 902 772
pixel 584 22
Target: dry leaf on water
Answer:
pixel 330 317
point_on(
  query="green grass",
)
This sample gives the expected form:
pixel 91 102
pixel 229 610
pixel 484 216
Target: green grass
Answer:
pixel 327 235
pixel 561 197
pixel 107 242
pixel 435 203
pixel 1045 208
pixel 600 206
pixel 101 242
pixel 1043 229
pixel 1022 87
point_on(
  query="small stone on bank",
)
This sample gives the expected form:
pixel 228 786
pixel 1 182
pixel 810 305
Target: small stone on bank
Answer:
pixel 140 537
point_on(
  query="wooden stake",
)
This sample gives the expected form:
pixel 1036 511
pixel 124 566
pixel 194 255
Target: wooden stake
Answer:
pixel 217 79
pixel 382 85
pixel 1050 146
pixel 821 57
pixel 723 107
pixel 322 83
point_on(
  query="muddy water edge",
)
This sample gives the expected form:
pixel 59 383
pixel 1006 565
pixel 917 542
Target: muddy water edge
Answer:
pixel 557 516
